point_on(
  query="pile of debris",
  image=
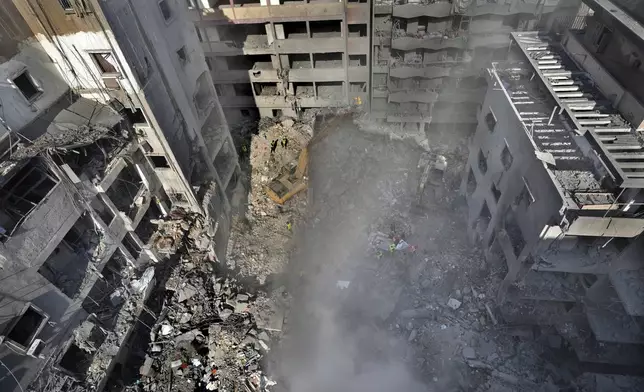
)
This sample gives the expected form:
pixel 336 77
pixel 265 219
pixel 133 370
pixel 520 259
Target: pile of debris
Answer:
pixel 206 337
pixel 259 240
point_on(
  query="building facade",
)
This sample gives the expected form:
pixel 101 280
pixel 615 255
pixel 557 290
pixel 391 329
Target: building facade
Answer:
pixel 148 58
pixel 109 122
pixel 554 193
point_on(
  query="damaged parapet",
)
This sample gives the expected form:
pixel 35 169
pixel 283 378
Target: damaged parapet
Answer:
pixel 554 191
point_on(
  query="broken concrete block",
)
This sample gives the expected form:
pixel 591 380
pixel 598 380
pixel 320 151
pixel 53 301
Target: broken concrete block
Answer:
pixel 468 353
pixel 187 337
pixel 176 364
pixel 166 329
pixel 454 303
pixel 241 307
pixel 242 298
pixel 186 292
pixel 225 313
pixel 185 318
pixel 146 368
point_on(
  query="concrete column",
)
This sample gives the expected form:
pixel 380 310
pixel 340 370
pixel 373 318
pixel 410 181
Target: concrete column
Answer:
pixel 412 26
pixel 269 33
pixel 279 31
pixel 291 88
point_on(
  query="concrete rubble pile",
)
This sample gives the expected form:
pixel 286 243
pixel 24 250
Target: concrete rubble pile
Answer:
pixel 206 337
pixel 258 245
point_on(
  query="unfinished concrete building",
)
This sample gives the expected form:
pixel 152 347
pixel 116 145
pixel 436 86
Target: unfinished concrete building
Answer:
pixel 429 58
pixel 554 193
pixel 147 59
pixel 278 58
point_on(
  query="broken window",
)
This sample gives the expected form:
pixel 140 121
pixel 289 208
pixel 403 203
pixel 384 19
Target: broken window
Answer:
pixel 182 55
pixel 27 86
pixel 506 157
pixel 303 89
pixel 325 28
pixel 146 228
pixel 125 189
pixel 490 120
pixel 327 60
pixel 105 61
pixel 26 326
pixel 524 198
pixel 295 30
pixel 266 89
pixel 102 209
pixel 330 90
pixel 357 60
pixel 471 183
pixel 132 245
pixel 357 30
pixel 105 298
pixel 68 266
pixel 299 61
pixel 358 87
pixel 159 161
pixel 135 116
pixel 165 10
pixel 495 192
pixel 21 193
pixel 482 162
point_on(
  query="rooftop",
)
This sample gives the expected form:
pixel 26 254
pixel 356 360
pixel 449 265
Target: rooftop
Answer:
pixel 583 110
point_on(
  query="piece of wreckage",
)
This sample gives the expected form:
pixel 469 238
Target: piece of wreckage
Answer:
pixel 433 167
pixel 290 181
pixel 86 135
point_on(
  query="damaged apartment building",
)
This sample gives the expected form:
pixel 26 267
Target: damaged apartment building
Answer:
pixel 555 184
pixel 109 122
pixel 411 64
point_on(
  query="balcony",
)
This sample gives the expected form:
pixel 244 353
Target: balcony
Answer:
pixel 431 41
pixel 411 70
pixel 253 44
pixel 516 7
pixel 409 117
pixel 356 45
pixel 424 96
pixel 441 9
pixel 257 13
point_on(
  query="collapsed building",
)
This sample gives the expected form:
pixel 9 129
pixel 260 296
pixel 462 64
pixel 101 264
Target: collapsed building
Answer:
pixel 554 185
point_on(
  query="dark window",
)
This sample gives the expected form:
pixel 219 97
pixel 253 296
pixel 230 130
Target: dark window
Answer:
pixel 209 63
pixel 245 112
pixel 199 34
pixel 191 4
pixel 159 161
pixel 490 120
pixel 496 192
pixel 471 183
pixel 105 61
pixel 165 9
pixel 506 157
pixel 67 5
pixel 482 162
pixel 183 56
pixel 26 85
pixel 131 245
pixel 27 326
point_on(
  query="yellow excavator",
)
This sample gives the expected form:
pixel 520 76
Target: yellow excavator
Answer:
pixel 292 180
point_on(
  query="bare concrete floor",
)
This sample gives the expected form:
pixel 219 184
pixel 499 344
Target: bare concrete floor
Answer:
pixel 391 328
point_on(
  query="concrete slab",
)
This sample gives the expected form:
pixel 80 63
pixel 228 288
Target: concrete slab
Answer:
pixel 550 286
pixel 629 286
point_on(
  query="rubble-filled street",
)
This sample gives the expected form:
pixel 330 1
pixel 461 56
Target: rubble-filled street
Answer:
pixel 365 280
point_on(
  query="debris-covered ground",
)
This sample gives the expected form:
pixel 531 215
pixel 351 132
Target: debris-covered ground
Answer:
pixel 357 283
